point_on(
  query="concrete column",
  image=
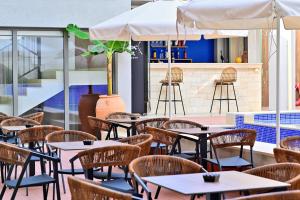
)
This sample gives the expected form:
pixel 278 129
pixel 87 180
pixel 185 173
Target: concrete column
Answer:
pixel 254 46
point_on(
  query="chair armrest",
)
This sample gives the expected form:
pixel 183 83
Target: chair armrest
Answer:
pixel 72 163
pixel 50 158
pixel 143 185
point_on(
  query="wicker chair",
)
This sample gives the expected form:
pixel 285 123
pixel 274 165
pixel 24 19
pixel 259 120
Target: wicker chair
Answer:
pixel 153 122
pixel 119 155
pixel 98 125
pixel 3 134
pixel 292 143
pixel 160 165
pixel 286 155
pixel 122 115
pixel 284 172
pixel 237 137
pixel 38 116
pixel 143 141
pixel 287 195
pixel 87 190
pixel 70 136
pixel 15 156
pixel 168 138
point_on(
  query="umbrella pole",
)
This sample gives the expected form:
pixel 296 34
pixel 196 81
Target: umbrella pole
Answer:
pixel 170 76
pixel 278 83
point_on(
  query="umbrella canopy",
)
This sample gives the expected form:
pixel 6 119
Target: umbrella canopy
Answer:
pixel 239 14
pixel 152 21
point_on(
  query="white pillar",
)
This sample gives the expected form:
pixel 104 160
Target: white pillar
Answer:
pixel 254 46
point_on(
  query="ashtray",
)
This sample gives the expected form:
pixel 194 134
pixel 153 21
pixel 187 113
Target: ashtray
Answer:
pixel 88 142
pixel 28 125
pixel 211 177
pixel 204 128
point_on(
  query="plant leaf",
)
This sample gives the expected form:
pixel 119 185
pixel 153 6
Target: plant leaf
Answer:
pixel 73 28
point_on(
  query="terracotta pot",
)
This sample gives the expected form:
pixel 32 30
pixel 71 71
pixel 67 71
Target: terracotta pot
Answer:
pixel 86 108
pixel 108 104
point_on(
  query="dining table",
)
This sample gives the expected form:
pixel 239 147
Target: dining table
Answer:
pixel 132 122
pixel 229 181
pixel 202 140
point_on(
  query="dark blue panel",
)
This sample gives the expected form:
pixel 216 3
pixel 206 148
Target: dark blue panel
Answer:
pixel 201 51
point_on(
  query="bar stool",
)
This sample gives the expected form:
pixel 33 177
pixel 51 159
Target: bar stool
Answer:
pixel 228 77
pixel 176 79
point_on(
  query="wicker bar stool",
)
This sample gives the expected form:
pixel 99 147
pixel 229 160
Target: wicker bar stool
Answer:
pixel 38 116
pixel 160 165
pixel 176 79
pixel 291 142
pixel 228 77
pixel 286 195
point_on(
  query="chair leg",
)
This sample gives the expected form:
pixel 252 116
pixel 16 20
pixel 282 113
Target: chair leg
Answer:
pixel 181 99
pixel 220 109
pixel 3 191
pixel 45 192
pixel 157 192
pixel 158 98
pixel 193 197
pixel 213 99
pixel 174 99
pixel 116 135
pixel 128 132
pixel 227 99
pixel 166 98
pixel 237 107
pixel 62 178
pixel 26 174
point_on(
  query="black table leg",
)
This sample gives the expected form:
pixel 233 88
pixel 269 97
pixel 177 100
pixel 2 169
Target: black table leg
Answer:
pixel 133 129
pixel 31 163
pixel 175 144
pixel 203 149
pixel 89 174
pixel 213 196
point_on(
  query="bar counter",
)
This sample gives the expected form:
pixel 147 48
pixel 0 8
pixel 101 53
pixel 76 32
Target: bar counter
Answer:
pixel 198 87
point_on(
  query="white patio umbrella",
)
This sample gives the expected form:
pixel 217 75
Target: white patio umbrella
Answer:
pixel 242 14
pixel 151 22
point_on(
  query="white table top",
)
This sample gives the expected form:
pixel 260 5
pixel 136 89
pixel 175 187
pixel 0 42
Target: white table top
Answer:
pixel 13 128
pixel 198 131
pixel 189 184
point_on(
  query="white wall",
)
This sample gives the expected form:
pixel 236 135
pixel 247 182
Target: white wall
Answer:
pixel 59 13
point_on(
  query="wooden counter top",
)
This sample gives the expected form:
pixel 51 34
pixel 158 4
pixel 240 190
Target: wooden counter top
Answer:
pixel 208 65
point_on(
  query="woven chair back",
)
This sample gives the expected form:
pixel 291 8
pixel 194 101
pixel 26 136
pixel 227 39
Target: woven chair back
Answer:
pixel 229 75
pixel 36 134
pixel 286 155
pixel 286 195
pixel 159 165
pixel 291 142
pixel 18 121
pixel 284 172
pixel 12 154
pixel 2 118
pixel 120 155
pixel 82 189
pixel 69 136
pixel 237 137
pixel 119 115
pixel 161 136
pixel 153 122
pixel 176 75
pixel 38 116
pixel 177 124
pixel 143 141
pixel 98 124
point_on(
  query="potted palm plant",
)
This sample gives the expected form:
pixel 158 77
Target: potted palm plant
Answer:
pixel 111 102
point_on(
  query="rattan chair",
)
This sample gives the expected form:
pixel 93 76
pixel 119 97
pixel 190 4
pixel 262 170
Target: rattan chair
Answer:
pixel 168 138
pixel 122 115
pixel 4 136
pixel 14 156
pixel 119 155
pixel 286 195
pixel 37 116
pixel 153 122
pixel 143 141
pixel 284 172
pixel 67 136
pixel 99 126
pixel 161 165
pixel 228 77
pixel 176 80
pixel 87 190
pixel 291 142
pixel 285 155
pixel 231 138
pixel 183 124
